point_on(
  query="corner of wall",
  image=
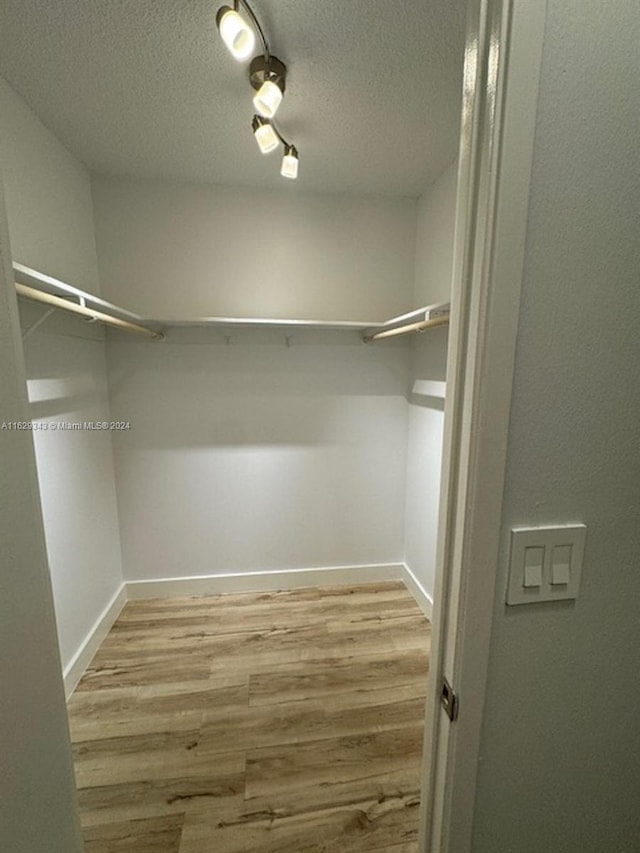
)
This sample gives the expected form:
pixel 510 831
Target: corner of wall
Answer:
pixel 435 220
pixel 50 217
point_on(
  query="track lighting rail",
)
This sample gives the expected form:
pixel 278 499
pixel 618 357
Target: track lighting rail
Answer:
pixel 267 76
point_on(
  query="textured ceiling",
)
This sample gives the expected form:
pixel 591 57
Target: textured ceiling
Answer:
pixel 147 88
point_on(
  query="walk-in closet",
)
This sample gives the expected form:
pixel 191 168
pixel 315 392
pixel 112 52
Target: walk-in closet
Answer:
pixel 236 386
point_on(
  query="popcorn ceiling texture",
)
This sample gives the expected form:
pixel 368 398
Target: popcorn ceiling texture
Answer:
pixel 147 89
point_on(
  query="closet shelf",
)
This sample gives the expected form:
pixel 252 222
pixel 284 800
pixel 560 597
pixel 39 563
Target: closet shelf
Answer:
pixel 263 323
pixel 419 320
pixel 39 287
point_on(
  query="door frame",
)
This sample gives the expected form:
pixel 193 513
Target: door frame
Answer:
pixel 503 60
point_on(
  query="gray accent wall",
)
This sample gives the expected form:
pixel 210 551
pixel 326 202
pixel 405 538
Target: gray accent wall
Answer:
pixel 560 742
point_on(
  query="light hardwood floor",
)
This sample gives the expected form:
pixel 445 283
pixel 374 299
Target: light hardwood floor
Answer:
pixel 255 723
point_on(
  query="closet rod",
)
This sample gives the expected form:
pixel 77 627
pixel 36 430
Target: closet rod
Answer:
pixel 441 320
pixel 66 305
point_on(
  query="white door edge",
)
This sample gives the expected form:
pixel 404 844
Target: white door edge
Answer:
pixel 503 59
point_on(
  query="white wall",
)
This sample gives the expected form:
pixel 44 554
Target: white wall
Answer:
pixel 560 743
pixel 434 239
pixel 258 456
pixel 67 383
pixel 424 455
pixel 37 794
pixel 49 209
pixel 48 197
pixel 181 250
pixel 433 269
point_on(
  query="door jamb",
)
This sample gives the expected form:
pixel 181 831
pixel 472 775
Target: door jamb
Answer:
pixel 503 60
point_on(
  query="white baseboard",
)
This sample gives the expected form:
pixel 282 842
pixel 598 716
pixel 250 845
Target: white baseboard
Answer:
pixel 422 597
pixel 74 670
pixel 262 581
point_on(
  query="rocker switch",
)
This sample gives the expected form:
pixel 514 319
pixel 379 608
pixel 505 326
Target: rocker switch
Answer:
pixel 533 563
pixel 561 565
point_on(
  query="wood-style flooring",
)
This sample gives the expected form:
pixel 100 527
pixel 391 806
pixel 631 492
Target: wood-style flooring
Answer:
pixel 255 723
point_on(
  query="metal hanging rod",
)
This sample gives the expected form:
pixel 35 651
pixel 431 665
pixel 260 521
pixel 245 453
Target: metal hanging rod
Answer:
pixel 440 320
pixel 91 313
pixel 49 284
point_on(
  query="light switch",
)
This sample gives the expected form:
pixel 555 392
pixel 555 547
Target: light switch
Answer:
pixel 533 563
pixel 561 565
pixel 545 563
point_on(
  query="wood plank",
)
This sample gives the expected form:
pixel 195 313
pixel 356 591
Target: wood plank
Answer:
pixel 366 826
pixel 153 835
pixel 107 671
pixel 136 799
pixel 331 769
pixel 310 720
pixel 324 678
pixel 191 762
pixel 134 610
pixel 205 641
pixel 149 711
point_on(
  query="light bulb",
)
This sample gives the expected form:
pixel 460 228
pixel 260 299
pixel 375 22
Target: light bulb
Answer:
pixel 268 98
pixel 236 33
pixel 265 135
pixel 290 163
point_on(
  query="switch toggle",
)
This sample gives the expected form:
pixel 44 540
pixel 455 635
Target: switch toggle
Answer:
pixel 533 563
pixel 561 565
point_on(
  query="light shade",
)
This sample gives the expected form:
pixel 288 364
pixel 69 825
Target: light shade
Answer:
pixel 236 33
pixel 265 135
pixel 290 162
pixel 267 99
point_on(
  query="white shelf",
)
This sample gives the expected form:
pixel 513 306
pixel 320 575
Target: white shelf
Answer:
pixel 429 388
pixel 417 320
pixel 426 312
pixel 48 284
pixel 264 323
pixel 67 296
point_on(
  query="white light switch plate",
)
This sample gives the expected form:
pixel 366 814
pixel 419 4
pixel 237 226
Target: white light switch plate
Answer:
pixel 545 563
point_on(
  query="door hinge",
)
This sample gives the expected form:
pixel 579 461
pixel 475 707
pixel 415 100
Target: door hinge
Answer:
pixel 449 700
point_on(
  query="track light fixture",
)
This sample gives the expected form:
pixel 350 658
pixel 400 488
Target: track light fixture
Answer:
pixel 265 134
pixel 236 33
pixel 268 137
pixel 267 75
pixel 290 162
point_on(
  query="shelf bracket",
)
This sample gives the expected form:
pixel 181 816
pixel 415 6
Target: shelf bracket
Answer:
pixel 37 323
